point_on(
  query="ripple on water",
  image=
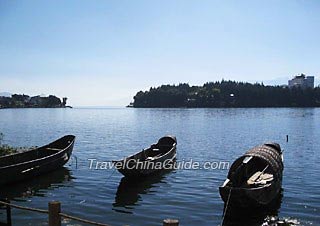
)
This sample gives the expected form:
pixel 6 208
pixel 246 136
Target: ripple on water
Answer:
pixel 190 195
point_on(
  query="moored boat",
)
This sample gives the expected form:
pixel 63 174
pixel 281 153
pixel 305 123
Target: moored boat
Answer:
pixel 27 164
pixel 255 178
pixel 149 161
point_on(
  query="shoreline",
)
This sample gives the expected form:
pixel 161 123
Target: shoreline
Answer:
pixel 225 107
pixel 33 107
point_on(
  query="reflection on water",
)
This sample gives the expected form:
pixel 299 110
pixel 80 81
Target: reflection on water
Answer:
pixel 189 195
pixel 252 217
pixel 37 186
pixel 129 191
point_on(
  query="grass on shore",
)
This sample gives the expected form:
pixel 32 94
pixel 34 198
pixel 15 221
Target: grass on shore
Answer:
pixel 9 150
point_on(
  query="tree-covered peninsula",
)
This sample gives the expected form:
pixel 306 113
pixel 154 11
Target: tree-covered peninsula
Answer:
pixel 226 94
pixel 25 101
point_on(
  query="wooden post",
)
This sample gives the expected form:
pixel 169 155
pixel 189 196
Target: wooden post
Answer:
pixel 287 138
pixel 170 222
pixel 8 208
pixel 54 213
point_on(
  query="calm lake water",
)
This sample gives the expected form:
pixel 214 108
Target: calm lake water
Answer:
pixel 190 195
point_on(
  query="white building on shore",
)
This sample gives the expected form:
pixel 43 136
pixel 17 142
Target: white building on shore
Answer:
pixel 302 81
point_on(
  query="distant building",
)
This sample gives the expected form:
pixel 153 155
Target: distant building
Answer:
pixel 302 81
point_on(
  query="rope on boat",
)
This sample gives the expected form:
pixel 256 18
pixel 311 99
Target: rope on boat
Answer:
pixel 226 208
pixel 114 169
pixel 76 160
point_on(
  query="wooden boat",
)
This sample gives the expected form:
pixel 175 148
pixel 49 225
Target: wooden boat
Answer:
pixel 37 161
pixel 149 161
pixel 255 178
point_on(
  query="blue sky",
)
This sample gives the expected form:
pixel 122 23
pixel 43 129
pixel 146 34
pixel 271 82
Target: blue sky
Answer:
pixel 100 53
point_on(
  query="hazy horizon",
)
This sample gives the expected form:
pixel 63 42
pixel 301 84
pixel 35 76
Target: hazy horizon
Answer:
pixel 103 53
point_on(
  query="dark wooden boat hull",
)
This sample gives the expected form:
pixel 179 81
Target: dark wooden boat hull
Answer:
pixel 250 197
pixel 239 190
pixel 18 167
pixel 137 172
pixel 251 215
pixel 140 173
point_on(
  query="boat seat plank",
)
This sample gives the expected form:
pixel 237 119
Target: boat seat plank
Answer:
pixel 247 159
pixel 54 149
pixel 153 157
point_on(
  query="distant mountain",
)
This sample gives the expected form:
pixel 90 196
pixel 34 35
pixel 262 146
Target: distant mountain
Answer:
pixel 5 94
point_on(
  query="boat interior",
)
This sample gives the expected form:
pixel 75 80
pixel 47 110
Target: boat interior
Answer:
pixel 250 172
pixel 37 153
pixel 164 145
